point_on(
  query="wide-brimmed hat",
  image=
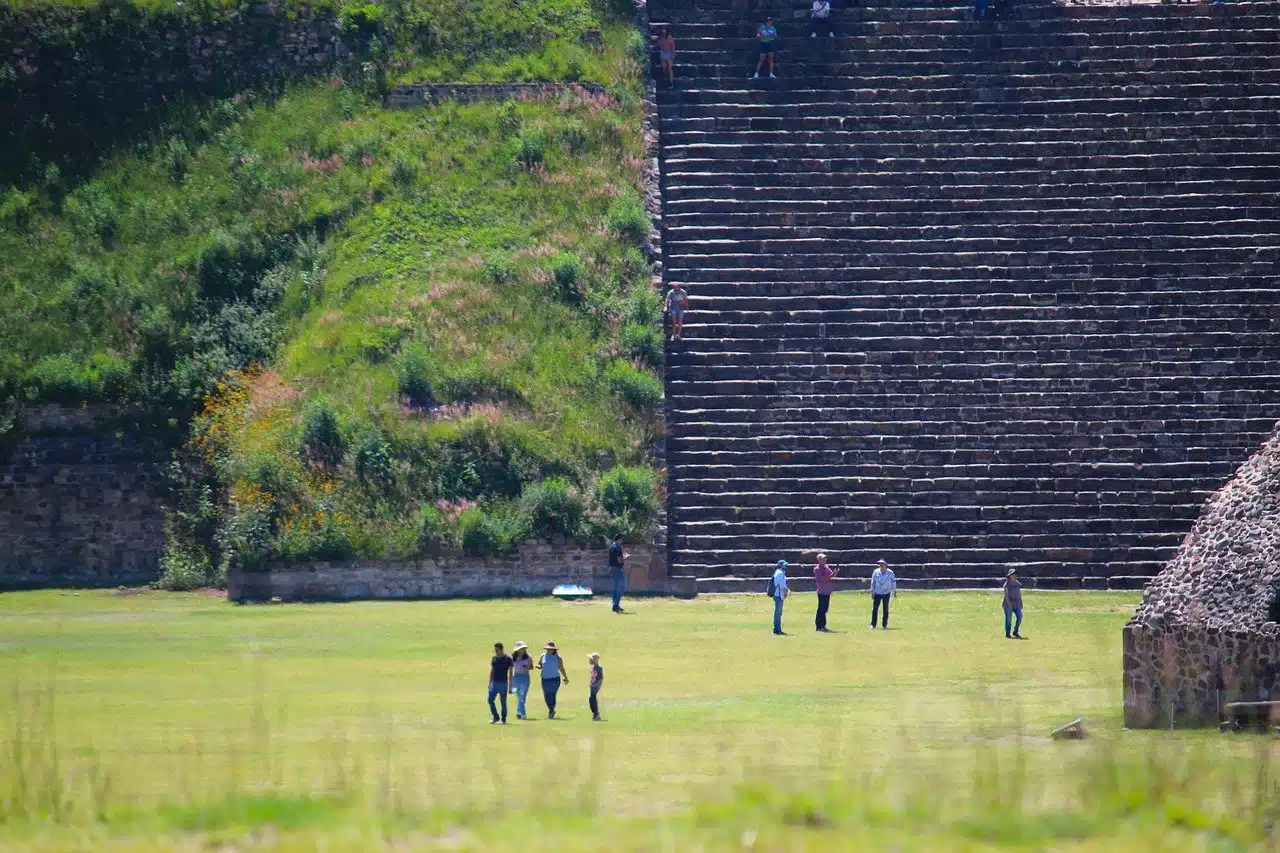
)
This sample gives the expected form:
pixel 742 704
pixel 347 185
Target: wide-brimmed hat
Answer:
pixel 551 647
pixel 881 562
pixel 520 645
pixel 1011 573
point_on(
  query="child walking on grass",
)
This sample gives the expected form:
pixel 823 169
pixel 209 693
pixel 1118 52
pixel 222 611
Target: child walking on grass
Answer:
pixel 597 679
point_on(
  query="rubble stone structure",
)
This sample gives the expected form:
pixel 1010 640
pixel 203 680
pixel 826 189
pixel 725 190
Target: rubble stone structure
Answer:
pixel 967 295
pixel 1206 631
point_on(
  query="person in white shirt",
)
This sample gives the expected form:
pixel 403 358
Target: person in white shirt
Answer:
pixel 779 591
pixel 883 586
pixel 820 19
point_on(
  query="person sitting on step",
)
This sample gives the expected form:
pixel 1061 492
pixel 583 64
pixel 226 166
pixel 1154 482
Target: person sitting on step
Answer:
pixel 767 36
pixel 820 19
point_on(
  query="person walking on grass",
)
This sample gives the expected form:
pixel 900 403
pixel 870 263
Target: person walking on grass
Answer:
pixel 667 54
pixel 618 571
pixel 822 581
pixel 1012 605
pixel 767 37
pixel 597 681
pixel 883 587
pixel 676 304
pixel 499 682
pixel 552 666
pixel 778 591
pixel 521 669
pixel 820 19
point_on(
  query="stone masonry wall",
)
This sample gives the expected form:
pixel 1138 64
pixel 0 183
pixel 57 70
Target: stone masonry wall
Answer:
pixel 76 80
pixel 1204 633
pixel 1182 675
pixel 534 570
pixel 160 53
pixel 79 502
pixel 418 94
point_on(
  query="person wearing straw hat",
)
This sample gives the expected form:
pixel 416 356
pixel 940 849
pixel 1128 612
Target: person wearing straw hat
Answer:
pixel 521 669
pixel 884 585
pixel 778 591
pixel 823 583
pixel 1012 605
pixel 552 666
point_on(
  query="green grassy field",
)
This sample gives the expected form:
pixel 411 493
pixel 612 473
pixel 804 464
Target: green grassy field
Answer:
pixel 156 721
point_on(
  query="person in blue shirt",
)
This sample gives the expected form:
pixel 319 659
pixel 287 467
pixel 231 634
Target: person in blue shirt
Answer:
pixel 767 37
pixel 883 586
pixel 778 591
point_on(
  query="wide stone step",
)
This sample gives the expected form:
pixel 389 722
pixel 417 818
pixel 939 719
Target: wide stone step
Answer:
pixel 918 563
pixel 975 454
pixel 1064 429
pixel 860 306
pixel 1133 113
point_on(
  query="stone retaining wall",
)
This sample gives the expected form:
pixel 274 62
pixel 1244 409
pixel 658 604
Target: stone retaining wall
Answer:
pixel 534 570
pixel 419 94
pixel 159 52
pixel 80 501
pixel 1182 676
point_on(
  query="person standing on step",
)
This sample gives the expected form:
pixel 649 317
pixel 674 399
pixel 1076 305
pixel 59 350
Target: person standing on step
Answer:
pixel 499 682
pixel 778 591
pixel 552 666
pixel 1012 605
pixel 667 54
pixel 822 581
pixel 618 571
pixel 884 585
pixel 767 37
pixel 597 681
pixel 676 304
pixel 820 19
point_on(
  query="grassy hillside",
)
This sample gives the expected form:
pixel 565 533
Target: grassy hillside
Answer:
pixel 398 330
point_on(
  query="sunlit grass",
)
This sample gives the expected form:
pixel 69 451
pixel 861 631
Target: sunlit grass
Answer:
pixel 363 726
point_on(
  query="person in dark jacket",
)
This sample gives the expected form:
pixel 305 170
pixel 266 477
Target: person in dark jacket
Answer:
pixel 618 571
pixel 499 682
pixel 1012 605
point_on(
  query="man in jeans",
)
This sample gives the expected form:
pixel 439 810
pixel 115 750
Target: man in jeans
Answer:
pixel 883 586
pixel 499 682
pixel 618 571
pixel 822 581
pixel 779 591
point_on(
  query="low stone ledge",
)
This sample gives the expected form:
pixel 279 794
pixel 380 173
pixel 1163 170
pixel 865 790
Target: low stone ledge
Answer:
pixel 534 570
pixel 420 94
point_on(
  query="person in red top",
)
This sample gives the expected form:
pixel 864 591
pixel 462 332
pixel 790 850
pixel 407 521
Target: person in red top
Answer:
pixel 822 578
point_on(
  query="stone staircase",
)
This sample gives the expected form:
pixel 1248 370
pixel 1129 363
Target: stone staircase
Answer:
pixel 967 295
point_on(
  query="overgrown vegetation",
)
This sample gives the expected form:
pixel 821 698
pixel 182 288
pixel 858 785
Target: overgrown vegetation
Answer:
pixel 396 331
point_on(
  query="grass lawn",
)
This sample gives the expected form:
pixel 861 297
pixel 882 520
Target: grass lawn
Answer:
pixel 155 721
